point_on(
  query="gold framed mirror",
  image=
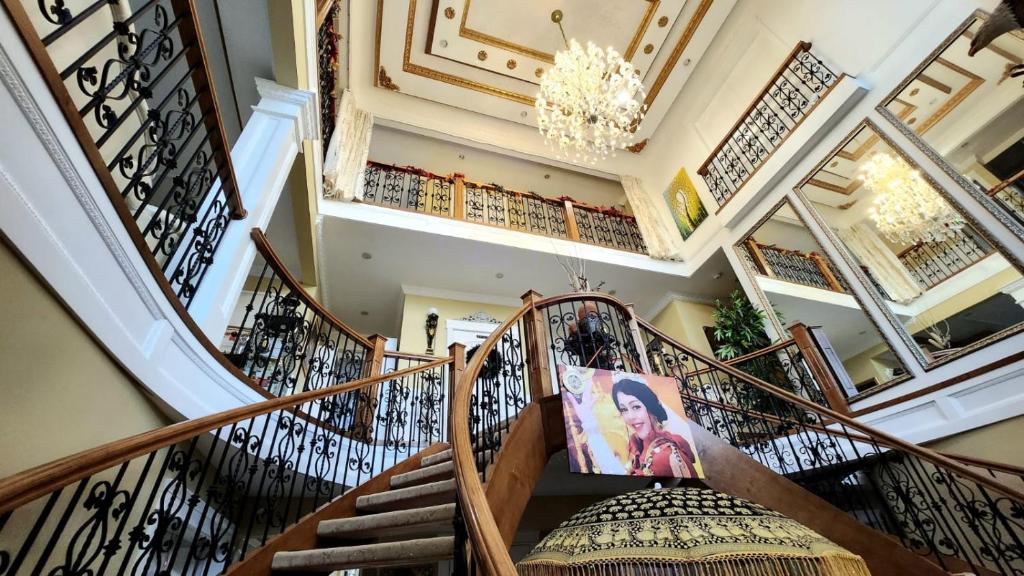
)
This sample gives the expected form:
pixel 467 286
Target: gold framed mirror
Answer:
pixel 800 285
pixel 947 286
pixel 963 108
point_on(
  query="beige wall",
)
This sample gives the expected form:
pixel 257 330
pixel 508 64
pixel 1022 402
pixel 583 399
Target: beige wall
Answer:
pixel 685 322
pixel 413 337
pixel 999 442
pixel 60 391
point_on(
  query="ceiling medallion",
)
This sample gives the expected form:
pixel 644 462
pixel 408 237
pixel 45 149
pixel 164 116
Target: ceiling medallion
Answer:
pixel 511 64
pixel 449 12
pixel 384 81
pixel 481 55
pixel 538 72
pixel 663 21
pixel 590 102
pixel 638 147
pixel 649 48
pixel 906 208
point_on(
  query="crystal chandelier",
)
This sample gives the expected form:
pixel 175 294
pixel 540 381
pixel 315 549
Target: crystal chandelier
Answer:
pixel 590 102
pixel 906 208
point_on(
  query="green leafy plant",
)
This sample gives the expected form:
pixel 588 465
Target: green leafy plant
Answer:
pixel 739 327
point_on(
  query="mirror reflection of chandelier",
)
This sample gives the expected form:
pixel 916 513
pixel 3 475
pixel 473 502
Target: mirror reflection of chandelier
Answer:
pixel 590 102
pixel 906 208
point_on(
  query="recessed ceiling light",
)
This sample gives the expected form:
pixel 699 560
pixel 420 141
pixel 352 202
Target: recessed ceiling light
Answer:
pixel 367 255
pixel 462 156
pixel 547 176
pixel 717 275
pixel 364 313
pixel 862 332
pixel 444 43
pixel 686 62
pixel 499 275
pixel 523 113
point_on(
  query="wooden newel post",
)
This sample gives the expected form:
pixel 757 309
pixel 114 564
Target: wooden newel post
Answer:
pixel 572 230
pixel 638 341
pixel 759 260
pixel 822 365
pixel 537 349
pixel 364 412
pixel 826 271
pixel 459 200
pixel 457 351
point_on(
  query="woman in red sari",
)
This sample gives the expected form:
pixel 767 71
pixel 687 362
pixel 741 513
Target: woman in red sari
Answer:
pixel 653 450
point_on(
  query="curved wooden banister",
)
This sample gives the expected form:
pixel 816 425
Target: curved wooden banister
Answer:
pixel 268 253
pixel 409 356
pixel 486 543
pixel 763 351
pixel 28 485
pixel 877 435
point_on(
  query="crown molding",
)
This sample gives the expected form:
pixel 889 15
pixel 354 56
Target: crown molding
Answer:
pixel 673 296
pixel 408 290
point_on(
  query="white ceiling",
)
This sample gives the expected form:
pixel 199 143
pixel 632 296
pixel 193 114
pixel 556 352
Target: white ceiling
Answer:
pixel 352 284
pixel 487 62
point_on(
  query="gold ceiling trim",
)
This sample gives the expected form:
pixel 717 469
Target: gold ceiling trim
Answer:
pixel 974 82
pixel 427 72
pixel 476 35
pixel 677 51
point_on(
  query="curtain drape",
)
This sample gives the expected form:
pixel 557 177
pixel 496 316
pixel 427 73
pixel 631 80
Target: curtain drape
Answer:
pixel 348 151
pixel 663 241
pixel 886 268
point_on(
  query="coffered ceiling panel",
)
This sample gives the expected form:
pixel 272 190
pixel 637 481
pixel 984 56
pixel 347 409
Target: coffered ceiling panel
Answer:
pixel 487 56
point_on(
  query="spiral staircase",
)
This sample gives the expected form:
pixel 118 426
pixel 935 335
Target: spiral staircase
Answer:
pixel 437 461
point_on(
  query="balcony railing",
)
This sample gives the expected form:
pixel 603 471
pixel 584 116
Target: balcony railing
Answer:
pixel 931 263
pixel 133 83
pixel 807 268
pixel 1010 194
pixel 405 188
pixel 796 88
pixel 327 67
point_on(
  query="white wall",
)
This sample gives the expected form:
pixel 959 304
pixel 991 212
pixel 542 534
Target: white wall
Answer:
pixel 393 146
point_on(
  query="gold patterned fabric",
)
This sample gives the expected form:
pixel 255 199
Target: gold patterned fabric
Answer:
pixel 684 532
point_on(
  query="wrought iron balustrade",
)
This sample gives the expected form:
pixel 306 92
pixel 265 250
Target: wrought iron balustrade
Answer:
pixel 930 263
pixel 937 507
pixel 198 496
pixel 1010 195
pixel 796 88
pixel 809 269
pixel 327 67
pixel 957 516
pixel 287 343
pixel 454 197
pixel 783 365
pixel 133 83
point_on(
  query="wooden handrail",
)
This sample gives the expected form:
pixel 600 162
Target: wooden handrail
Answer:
pixel 267 251
pixel 800 46
pixel 989 464
pixel 1005 184
pixel 767 350
pixel 932 456
pixel 26 486
pixel 409 356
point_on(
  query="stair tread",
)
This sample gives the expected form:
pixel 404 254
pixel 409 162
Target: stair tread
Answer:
pixel 372 524
pixel 439 492
pixel 442 470
pixel 442 456
pixel 399 553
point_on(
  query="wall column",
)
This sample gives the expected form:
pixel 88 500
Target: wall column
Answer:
pixel 263 158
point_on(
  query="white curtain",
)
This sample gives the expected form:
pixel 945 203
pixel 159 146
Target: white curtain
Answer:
pixel 886 268
pixel 663 241
pixel 347 151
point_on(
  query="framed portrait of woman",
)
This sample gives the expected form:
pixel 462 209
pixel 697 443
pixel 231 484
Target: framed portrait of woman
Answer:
pixel 622 424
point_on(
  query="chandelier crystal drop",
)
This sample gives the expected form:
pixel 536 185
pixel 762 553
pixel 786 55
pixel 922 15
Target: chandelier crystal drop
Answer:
pixel 590 103
pixel 906 208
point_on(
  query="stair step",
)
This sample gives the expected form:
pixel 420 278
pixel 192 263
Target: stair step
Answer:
pixel 441 471
pixel 385 554
pixel 403 522
pixel 442 492
pixel 442 456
